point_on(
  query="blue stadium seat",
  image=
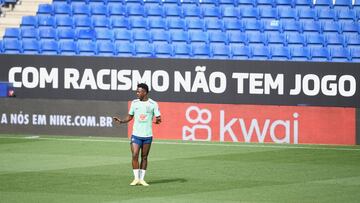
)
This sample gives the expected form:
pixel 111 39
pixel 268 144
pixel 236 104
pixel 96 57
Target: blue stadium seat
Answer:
pixel 280 53
pixel 62 9
pixel 189 3
pixel 331 27
pixel 230 12
pixel 295 40
pixel 163 50
pixel 117 10
pixel 99 10
pixel 353 41
pixel 12 46
pixel 257 39
pixel 12 33
pixel 160 36
pixel 340 54
pixel 47 34
pixel 68 48
pixel 45 9
pixel 240 52
pixel 49 47
pixel 303 4
pixel 135 11
pixel 343 4
pixel 265 4
pixel 82 22
pixel 356 5
pixel 253 26
pixel 307 15
pixel 123 36
pixel 246 4
pixel 154 11
pixel 347 16
pixel 287 14
pixel 176 24
pixel 138 23
pixel 323 4
pixel 192 12
pixel 179 37
pixel 269 13
pixel 66 34
pixel 208 3
pixel 311 27
pixel 104 35
pixel 198 38
pixel 276 39
pixel 86 48
pixel 100 22
pixel 171 2
pixel 335 41
pixel 80 10
pixel 284 4
pixel 30 46
pixel 272 27
pixel 238 39
pixel 144 50
pixel 173 12
pixel 260 53
pixel 158 24
pixel 291 27
pixel 182 51
pixel 29 21
pixel 327 15
pixel 300 53
pixel 214 25
pixel 64 21
pixel 124 49
pixel 200 51
pixel 97 2
pixel 218 38
pixel 134 2
pixel 46 21
pixel 105 48
pixel 29 33
pixel 226 3
pixel 320 54
pixel 119 22
pixel 212 12
pixel 85 35
pixel 233 26
pixel 195 24
pixel 220 51
pixel 315 40
pixel 250 13
pixel 355 54
pixel 141 35
pixel 153 2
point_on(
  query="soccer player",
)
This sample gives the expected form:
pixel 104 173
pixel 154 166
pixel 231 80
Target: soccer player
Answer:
pixel 143 110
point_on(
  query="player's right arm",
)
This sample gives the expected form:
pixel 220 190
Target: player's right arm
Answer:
pixel 126 120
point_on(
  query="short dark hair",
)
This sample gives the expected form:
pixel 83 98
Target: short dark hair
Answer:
pixel 144 86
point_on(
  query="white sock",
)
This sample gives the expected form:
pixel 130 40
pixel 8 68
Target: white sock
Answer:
pixel 142 174
pixel 136 173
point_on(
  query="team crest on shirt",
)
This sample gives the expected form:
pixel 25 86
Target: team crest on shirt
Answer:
pixel 142 117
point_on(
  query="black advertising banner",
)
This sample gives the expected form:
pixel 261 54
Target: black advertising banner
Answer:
pixel 61 117
pixel 184 80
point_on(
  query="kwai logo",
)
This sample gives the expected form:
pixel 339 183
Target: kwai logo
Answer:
pixel 212 125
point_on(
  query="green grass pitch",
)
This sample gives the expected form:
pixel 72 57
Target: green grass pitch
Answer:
pixel 75 169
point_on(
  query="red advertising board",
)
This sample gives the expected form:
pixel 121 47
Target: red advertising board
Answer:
pixel 256 123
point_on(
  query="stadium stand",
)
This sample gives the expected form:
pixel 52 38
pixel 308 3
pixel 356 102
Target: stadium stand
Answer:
pixel 321 30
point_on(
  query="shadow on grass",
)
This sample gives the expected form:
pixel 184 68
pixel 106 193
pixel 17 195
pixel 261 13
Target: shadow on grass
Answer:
pixel 162 181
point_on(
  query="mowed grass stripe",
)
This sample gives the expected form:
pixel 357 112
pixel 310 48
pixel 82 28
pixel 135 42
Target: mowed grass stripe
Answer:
pixel 100 171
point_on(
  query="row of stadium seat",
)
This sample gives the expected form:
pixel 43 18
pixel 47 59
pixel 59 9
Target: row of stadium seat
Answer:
pixel 192 11
pixel 190 24
pixel 211 3
pixel 179 50
pixel 291 39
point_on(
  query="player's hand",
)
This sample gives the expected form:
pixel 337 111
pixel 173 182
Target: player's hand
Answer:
pixel 157 122
pixel 116 119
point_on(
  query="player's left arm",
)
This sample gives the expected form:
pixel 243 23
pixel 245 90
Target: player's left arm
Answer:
pixel 157 114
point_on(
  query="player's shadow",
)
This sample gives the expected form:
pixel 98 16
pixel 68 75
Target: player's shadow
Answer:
pixel 180 180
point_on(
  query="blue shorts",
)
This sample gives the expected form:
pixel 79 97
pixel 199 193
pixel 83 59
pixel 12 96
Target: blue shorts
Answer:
pixel 140 140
